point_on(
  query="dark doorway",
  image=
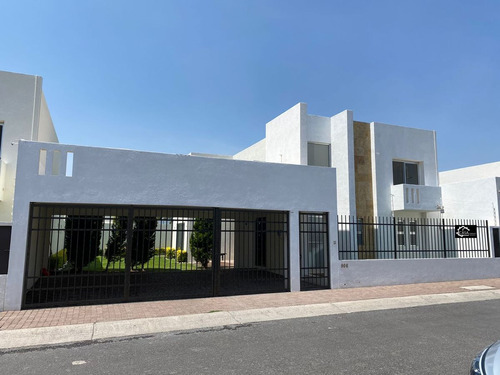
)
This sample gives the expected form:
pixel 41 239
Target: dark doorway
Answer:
pixel 496 242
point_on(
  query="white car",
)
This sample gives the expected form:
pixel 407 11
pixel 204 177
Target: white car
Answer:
pixel 488 362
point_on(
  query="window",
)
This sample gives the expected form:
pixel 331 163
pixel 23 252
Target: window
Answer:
pixel 413 233
pixel 359 231
pixel 404 173
pixel 179 243
pixel 318 154
pixel 401 232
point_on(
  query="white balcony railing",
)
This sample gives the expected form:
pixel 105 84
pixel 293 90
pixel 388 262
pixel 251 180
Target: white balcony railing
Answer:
pixel 415 197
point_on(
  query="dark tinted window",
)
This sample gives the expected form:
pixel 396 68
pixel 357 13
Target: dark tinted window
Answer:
pixel 411 173
pixel 398 172
pixel 404 173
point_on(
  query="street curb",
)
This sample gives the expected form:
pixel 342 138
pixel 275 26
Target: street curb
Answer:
pixel 90 332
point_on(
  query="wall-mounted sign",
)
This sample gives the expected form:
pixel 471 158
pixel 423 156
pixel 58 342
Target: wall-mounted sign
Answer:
pixel 465 231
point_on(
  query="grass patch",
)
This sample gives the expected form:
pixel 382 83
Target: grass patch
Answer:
pixel 157 263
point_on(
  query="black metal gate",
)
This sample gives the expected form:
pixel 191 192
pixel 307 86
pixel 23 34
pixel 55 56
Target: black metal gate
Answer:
pixel 314 253
pixel 86 254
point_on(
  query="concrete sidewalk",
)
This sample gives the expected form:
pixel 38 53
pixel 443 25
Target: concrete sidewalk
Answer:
pixel 89 323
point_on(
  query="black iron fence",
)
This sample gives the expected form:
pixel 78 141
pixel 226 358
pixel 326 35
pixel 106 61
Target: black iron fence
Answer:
pixel 411 238
pixel 79 254
pixel 314 252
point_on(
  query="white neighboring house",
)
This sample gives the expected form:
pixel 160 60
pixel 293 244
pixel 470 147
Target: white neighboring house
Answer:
pixel 23 115
pixel 474 193
pixel 382 170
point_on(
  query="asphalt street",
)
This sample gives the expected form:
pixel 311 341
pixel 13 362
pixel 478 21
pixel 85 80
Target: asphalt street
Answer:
pixel 439 339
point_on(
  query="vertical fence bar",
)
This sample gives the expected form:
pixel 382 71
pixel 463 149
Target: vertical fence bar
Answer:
pixel 488 238
pixel 128 252
pixel 444 237
pixel 216 252
pixel 395 238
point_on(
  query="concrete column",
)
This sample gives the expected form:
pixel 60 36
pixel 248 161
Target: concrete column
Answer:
pixel 294 251
pixel 334 250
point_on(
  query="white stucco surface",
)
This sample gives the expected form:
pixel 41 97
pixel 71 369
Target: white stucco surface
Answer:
pixel 407 197
pixel 25 115
pixel 470 173
pixel 476 199
pixel 3 283
pixel 108 176
pixel 390 143
pixel 285 137
pixel 394 272
pixel 256 152
pixel 343 160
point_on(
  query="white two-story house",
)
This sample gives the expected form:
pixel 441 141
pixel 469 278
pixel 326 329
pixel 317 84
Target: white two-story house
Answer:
pixel 382 170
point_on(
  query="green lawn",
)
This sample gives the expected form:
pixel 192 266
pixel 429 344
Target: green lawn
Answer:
pixel 157 263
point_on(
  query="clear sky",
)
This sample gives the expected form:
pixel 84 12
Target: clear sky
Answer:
pixel 205 76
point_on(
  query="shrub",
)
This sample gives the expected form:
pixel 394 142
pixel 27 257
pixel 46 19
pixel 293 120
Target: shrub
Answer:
pixel 57 260
pixel 182 256
pixel 82 238
pixel 171 253
pixel 160 251
pixel 202 241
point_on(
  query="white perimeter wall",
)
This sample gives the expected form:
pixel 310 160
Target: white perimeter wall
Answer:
pixel 390 143
pixel 108 176
pixel 394 272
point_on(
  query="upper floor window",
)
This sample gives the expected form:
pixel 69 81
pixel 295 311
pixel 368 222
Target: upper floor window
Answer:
pixel 404 173
pixel 318 154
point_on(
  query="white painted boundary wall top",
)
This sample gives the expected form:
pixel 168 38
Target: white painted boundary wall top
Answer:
pixel 110 176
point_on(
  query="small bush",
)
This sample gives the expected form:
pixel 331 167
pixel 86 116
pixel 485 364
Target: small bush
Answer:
pixel 182 256
pixel 171 253
pixel 57 260
pixel 160 251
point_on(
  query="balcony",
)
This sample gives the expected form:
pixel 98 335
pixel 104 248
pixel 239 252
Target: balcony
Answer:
pixel 415 197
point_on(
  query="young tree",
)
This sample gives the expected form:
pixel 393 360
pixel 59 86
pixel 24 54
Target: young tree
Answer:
pixel 202 240
pixel 82 238
pixel 117 242
pixel 143 240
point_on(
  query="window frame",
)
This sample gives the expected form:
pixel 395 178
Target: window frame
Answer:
pixel 309 144
pixel 405 172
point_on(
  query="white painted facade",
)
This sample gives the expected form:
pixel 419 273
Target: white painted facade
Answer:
pixel 472 192
pixel 288 135
pixel 109 176
pixel 269 175
pixel 396 143
pixel 23 115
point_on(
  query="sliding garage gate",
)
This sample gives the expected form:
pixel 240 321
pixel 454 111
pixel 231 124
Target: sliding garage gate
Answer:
pixel 81 254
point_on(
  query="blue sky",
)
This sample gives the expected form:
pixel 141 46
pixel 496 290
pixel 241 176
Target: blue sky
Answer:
pixel 205 76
